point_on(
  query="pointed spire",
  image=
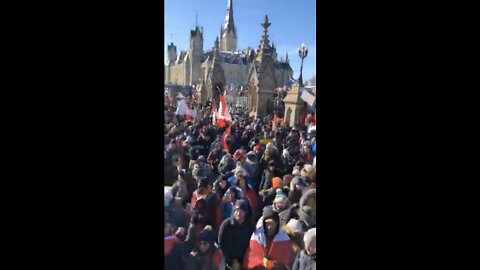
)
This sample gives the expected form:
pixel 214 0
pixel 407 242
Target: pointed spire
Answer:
pixel 216 54
pixel 265 43
pixel 196 19
pixel 229 25
pixel 265 24
pixel 286 57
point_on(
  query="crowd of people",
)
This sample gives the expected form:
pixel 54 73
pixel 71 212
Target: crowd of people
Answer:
pixel 246 200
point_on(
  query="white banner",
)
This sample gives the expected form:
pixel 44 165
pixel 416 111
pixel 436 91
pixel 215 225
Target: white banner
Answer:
pixel 307 97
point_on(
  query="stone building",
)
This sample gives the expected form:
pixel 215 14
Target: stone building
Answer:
pixel 261 82
pixel 193 66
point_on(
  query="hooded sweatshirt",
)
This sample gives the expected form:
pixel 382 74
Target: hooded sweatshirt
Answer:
pixel 280 248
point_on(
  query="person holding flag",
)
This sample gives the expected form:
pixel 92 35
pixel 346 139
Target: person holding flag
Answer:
pixel 183 110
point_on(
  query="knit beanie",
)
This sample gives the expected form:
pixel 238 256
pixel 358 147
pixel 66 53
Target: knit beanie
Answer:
pixel 207 235
pixel 295 225
pixel 279 196
pixel 296 171
pixel 276 182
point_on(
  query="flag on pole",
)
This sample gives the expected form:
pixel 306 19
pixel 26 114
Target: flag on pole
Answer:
pixel 223 116
pixel 170 95
pixel 194 91
pixel 225 136
pixel 182 109
pixel 214 113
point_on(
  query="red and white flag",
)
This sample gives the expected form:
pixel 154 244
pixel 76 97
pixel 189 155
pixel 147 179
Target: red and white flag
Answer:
pixel 224 139
pixel 223 116
pixel 194 92
pixel 214 114
pixel 279 250
pixel 170 95
pixel 182 109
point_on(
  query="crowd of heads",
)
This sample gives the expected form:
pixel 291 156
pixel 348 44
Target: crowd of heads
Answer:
pixel 258 181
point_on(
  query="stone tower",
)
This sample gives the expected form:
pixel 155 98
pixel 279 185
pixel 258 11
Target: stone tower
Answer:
pixel 172 53
pixel 216 77
pixel 195 52
pixel 261 78
pixel 228 33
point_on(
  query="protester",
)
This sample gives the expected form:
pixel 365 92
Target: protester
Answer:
pixel 294 230
pixel 221 186
pixel 306 259
pixel 223 175
pixel 269 246
pixel 205 255
pixel 268 174
pixel 180 189
pixel 234 235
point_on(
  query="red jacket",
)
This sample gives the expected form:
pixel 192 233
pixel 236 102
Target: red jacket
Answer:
pixel 168 243
pixel 252 198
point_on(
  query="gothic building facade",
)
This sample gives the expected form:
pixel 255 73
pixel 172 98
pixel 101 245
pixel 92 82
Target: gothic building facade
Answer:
pixel 195 66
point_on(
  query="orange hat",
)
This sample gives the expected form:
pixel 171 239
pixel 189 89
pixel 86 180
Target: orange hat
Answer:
pixel 276 182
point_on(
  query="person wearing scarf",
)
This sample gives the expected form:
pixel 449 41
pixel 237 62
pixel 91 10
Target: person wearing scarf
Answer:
pixel 269 246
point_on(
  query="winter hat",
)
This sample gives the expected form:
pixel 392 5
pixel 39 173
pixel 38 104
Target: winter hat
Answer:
pixel 269 146
pixel 239 154
pixel 258 147
pixel 307 171
pixel 296 171
pixel 268 213
pixel 305 213
pixel 295 225
pixel 197 172
pixel 241 204
pixel 240 170
pixel 279 196
pixel 201 158
pixel 189 139
pixel 276 182
pixel 251 155
pixel 203 183
pixel 231 180
pixel 299 181
pixel 207 235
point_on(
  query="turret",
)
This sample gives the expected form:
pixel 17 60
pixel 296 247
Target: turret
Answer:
pixel 172 53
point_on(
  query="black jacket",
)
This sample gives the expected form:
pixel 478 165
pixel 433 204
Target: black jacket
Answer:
pixel 234 239
pixel 304 262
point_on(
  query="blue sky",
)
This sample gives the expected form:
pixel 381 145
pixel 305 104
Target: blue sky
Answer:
pixel 293 22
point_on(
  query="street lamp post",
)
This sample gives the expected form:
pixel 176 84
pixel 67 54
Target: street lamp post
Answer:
pixel 302 52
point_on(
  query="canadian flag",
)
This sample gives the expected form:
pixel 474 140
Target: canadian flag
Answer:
pixel 279 250
pixel 182 109
pixel 223 116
